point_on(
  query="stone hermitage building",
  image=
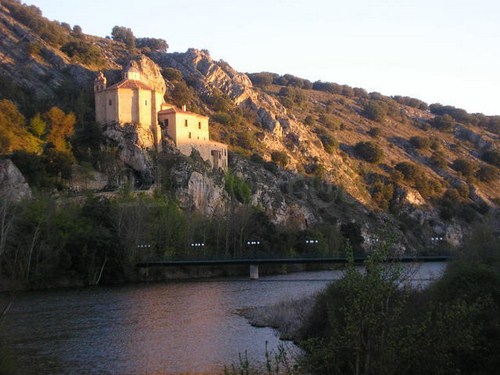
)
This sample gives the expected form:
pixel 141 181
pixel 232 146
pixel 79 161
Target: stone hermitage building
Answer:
pixel 133 101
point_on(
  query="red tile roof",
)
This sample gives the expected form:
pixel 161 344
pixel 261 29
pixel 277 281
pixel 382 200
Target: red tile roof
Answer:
pixel 178 110
pixel 129 84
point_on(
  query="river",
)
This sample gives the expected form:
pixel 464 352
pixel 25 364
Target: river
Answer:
pixel 167 328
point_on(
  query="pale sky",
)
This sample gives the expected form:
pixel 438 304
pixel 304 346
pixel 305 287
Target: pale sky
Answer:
pixel 439 51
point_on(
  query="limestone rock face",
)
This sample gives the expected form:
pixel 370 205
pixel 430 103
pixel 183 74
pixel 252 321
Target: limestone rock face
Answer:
pixel 43 69
pixel 12 182
pixel 133 142
pixel 211 75
pixel 203 195
pixel 150 72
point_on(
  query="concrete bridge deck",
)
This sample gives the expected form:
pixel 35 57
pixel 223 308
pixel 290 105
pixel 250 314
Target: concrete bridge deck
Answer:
pixel 255 262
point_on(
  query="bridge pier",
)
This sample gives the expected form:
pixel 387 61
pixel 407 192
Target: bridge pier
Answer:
pixel 254 272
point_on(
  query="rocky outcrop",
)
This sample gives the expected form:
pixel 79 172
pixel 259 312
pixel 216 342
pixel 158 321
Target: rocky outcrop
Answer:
pixel 150 72
pixel 13 186
pixel 213 75
pixel 31 63
pixel 467 134
pixel 203 194
pixel 132 144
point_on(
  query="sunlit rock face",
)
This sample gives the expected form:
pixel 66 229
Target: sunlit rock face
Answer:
pixel 13 186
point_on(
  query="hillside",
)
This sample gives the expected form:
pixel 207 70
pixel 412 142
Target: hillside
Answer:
pixel 311 154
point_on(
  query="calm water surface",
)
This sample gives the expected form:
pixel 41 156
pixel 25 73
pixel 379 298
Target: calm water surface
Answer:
pixel 166 328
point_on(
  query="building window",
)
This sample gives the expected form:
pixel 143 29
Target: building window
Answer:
pixel 166 123
pixel 198 137
pixel 199 125
pixel 110 102
pixel 146 102
pixel 186 123
pixel 189 135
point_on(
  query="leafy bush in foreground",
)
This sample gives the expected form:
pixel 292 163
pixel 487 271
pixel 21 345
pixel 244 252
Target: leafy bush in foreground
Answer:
pixel 366 323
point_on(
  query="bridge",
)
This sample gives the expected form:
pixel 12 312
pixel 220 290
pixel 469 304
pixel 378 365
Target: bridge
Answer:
pixel 255 262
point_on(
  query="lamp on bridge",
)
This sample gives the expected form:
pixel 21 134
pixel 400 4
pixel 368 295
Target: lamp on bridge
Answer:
pixel 198 244
pixel 254 245
pixel 254 268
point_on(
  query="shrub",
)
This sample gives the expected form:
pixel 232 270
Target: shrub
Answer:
pixel 374 132
pixel 487 173
pixel 257 158
pixel 329 121
pixel 438 159
pixel 309 120
pixel 465 167
pixel 262 79
pixel 83 52
pixel 375 110
pixel 172 74
pixel 369 151
pixel 443 123
pixel 246 140
pixel 280 158
pixel 382 193
pixel 492 157
pixel 420 142
pixel 238 188
pixel 181 94
pixel 366 323
pixel 411 172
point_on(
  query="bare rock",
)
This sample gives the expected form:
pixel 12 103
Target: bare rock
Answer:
pixel 133 143
pixel 12 182
pixel 203 194
pixel 150 72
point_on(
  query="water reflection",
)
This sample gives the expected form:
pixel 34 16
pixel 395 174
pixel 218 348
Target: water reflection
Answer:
pixel 163 328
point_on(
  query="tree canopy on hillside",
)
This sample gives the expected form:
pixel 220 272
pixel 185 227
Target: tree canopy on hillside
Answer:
pixel 124 35
pixel 153 44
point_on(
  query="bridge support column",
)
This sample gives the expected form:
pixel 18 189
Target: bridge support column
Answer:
pixel 254 272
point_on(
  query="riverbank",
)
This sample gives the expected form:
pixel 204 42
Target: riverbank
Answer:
pixel 287 317
pixel 159 274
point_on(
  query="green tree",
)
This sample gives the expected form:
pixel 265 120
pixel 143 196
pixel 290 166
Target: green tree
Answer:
pixel 153 44
pixel 238 188
pixel 370 323
pixel 83 52
pixel 443 123
pixel 369 151
pixel 38 126
pixel 375 110
pixel 124 35
pixel 61 128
